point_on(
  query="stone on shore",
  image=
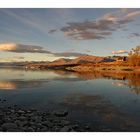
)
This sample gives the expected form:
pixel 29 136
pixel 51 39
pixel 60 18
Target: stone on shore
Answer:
pixel 62 113
pixel 9 126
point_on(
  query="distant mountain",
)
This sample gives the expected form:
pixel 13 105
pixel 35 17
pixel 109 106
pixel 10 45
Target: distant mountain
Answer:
pixel 81 60
pixel 86 59
pixel 61 61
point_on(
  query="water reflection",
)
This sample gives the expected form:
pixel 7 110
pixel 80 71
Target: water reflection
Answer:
pixel 119 84
pixel 103 94
pixel 103 108
pixel 12 85
pixel 7 85
pixel 130 79
pixel 11 78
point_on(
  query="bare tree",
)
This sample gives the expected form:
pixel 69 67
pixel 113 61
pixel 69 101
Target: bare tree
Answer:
pixel 134 56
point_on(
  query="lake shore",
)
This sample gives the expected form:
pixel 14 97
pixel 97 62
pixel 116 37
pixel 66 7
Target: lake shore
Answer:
pixel 102 67
pixel 17 119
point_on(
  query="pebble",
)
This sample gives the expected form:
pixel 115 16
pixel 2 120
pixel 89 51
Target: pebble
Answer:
pixel 44 129
pixel 65 129
pixel 14 119
pixel 22 118
pixel 21 112
pixel 61 113
pixel 7 126
pixel 30 129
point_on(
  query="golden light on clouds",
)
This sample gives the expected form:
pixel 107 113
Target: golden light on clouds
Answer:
pixel 8 47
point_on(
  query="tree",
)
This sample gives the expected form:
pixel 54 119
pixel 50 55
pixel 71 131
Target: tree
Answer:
pixel 134 56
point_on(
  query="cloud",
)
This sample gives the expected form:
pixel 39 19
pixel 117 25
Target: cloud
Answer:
pixel 69 54
pixel 133 14
pixel 21 48
pixel 119 52
pixel 101 27
pixel 52 31
pixel 134 35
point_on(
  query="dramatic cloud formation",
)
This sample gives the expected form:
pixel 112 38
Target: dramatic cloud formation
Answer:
pixel 99 28
pixel 119 52
pixel 20 48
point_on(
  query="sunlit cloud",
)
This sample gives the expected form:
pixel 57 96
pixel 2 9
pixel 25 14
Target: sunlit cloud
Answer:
pixel 133 14
pixel 100 28
pixel 21 48
pixel 119 52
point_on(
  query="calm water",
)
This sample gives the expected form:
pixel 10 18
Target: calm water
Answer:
pixel 98 98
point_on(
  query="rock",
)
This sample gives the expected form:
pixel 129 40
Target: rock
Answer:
pixel 75 126
pixel 65 122
pixel 17 122
pixel 22 118
pixel 32 109
pixel 61 113
pixel 1 122
pixel 15 130
pixel 28 111
pixel 21 112
pixel 36 119
pixel 56 128
pixel 8 112
pixel 7 126
pixel 23 123
pixel 65 129
pixel 1 114
pixel 7 120
pixel 87 127
pixel 12 111
pixel 44 129
pixel 39 125
pixel 29 114
pixel 47 123
pixel 30 129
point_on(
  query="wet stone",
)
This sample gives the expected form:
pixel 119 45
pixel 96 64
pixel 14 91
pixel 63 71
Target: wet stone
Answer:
pixel 44 129
pixel 12 111
pixel 61 113
pixel 7 126
pixel 22 118
pixel 65 129
pixel 21 112
pixel 30 129
pixel 65 122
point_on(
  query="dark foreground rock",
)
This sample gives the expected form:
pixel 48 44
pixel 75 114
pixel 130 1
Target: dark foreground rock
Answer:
pixel 14 119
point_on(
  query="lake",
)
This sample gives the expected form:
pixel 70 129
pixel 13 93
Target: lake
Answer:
pixel 104 99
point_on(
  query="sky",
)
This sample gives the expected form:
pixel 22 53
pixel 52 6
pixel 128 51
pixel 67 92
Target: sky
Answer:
pixel 49 34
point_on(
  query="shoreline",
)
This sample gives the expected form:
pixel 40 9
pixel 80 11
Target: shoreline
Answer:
pixel 17 119
pixel 103 67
